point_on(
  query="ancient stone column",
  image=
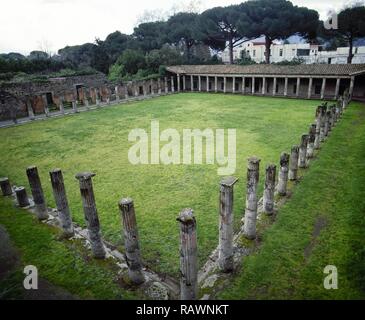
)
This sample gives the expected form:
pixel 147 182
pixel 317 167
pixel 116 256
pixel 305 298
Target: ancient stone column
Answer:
pixel 61 106
pixel 243 85
pixel 91 214
pixel 286 87
pixel 294 160
pixel 310 88
pixel 263 86
pixel 172 85
pixel 178 83
pixel 37 193
pixel 329 117
pixel 126 95
pixel 323 90
pixel 188 256
pixel 312 139
pixel 144 86
pixel 283 174
pixel 253 85
pixel 46 109
pixel 318 128
pixel 117 98
pixel 86 100
pixel 184 83
pixel 152 91
pixel 327 123
pixel 298 87
pixel 234 85
pixel 225 255
pixel 6 187
pixel 207 80
pixel 60 197
pixel 166 86
pixel 269 191
pixel 135 86
pixel 22 197
pixel 249 227
pixel 199 83
pixel 225 84
pixel 159 86
pixel 131 241
pixel 215 84
pixel 30 110
pixel 74 106
pixel 191 83
pixel 303 151
pixel 274 87
pixel 323 124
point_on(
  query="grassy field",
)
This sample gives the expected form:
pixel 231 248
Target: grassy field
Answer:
pixel 98 141
pixel 322 224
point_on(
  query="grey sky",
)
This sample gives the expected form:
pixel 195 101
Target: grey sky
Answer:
pixel 28 25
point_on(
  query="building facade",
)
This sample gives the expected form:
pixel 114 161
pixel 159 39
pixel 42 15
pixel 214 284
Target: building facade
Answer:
pixel 309 53
pixel 303 81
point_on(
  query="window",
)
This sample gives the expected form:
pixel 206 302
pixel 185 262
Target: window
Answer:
pixel 281 52
pixel 222 86
pixel 329 60
pixel 140 90
pixel 237 88
pixel 254 53
pixel 49 98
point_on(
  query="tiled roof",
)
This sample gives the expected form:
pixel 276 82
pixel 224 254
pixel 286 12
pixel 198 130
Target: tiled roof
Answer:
pixel 270 69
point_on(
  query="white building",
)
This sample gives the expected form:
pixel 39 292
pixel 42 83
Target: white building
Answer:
pixel 287 52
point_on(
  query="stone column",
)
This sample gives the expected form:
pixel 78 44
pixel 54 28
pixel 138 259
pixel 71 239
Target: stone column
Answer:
pixel 159 86
pixel 178 83
pixel 136 91
pixel 37 192
pixel 6 187
pixel 151 84
pixel 125 90
pixel 303 151
pixel 312 139
pixel 91 214
pixel 338 83
pixel 172 84
pixel 86 100
pixel 283 174
pixel 253 86
pixel 318 129
pixel 274 86
pixel 298 87
pixel 234 85
pixel 352 85
pixel 327 127
pixel 166 86
pixel 249 227
pixel 323 90
pixel 62 108
pixel 286 87
pixel 323 124
pixel 225 84
pixel 74 106
pixel 144 86
pixel 59 193
pixel 45 102
pixel 22 197
pixel 97 97
pixel 310 88
pixel 243 85
pixel 192 83
pixel 294 161
pixel 188 256
pixel 131 241
pixel 263 86
pixel 184 83
pixel 269 191
pixel 200 83
pixel 30 109
pixel 225 255
pixel 207 83
pixel 216 84
pixel 117 98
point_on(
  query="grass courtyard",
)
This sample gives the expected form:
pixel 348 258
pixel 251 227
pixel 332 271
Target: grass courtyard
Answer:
pixel 97 141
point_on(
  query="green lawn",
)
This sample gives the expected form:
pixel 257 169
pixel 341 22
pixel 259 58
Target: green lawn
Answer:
pixel 322 224
pixel 98 141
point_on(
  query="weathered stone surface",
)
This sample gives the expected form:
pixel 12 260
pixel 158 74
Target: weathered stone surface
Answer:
pixel 6 187
pixel 294 160
pixel 37 192
pixel 249 227
pixel 188 256
pixel 283 174
pixel 269 191
pixel 131 241
pixel 22 197
pixel 303 151
pixel 91 214
pixel 157 291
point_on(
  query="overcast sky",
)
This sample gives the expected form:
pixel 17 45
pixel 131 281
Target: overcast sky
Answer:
pixel 27 25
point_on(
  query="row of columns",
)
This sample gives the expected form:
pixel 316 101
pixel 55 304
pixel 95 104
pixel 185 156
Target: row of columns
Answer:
pixel 264 87
pixel 162 87
pixel 326 119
